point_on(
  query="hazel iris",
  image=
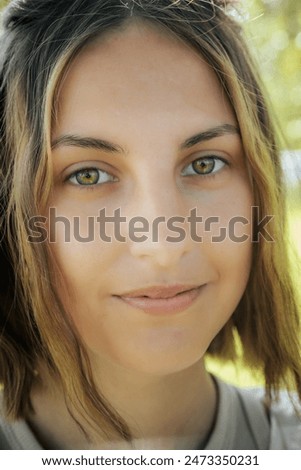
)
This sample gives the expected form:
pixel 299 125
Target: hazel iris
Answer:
pixel 87 177
pixel 204 166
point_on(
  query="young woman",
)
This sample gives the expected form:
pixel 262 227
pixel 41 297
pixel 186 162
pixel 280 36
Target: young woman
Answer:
pixel 139 177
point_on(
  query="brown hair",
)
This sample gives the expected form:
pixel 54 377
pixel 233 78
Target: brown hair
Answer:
pixel 39 41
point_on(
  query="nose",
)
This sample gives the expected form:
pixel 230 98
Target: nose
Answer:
pixel 159 234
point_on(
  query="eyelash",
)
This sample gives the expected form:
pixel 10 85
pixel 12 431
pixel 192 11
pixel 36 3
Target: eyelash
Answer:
pixel 211 174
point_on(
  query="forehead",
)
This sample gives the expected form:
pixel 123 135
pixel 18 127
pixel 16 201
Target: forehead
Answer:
pixel 143 72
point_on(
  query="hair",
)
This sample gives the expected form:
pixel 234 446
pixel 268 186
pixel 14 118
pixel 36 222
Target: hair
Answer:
pixel 39 40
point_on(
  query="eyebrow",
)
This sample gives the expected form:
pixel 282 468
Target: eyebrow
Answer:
pixel 70 140
pixel 209 134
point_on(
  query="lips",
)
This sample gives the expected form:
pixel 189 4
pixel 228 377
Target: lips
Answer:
pixel 159 292
pixel 162 299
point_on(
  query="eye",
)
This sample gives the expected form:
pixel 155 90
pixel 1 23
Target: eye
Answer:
pixel 204 166
pixel 90 177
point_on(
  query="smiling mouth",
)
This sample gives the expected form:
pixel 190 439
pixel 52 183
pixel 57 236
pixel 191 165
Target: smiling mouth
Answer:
pixel 160 300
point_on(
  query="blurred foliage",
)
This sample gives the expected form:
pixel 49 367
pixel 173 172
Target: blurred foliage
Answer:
pixel 274 29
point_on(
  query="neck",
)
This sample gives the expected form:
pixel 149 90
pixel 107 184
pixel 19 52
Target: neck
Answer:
pixel 173 411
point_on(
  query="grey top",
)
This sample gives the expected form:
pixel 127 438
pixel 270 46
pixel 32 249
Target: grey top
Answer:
pixel 241 423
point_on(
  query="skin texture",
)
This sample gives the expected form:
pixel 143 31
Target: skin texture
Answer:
pixel 147 93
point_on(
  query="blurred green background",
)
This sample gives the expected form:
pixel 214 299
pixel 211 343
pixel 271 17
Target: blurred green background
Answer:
pixel 273 29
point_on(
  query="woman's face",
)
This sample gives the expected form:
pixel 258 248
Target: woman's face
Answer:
pixel 145 130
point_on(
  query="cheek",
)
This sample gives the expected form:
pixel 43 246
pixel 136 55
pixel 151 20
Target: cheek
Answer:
pixel 228 245
pixel 75 240
pixel 227 226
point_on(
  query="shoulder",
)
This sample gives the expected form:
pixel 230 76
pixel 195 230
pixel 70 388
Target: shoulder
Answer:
pixel 284 419
pixel 286 424
pixel 16 435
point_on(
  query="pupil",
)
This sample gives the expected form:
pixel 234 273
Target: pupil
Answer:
pixel 87 177
pixel 203 166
